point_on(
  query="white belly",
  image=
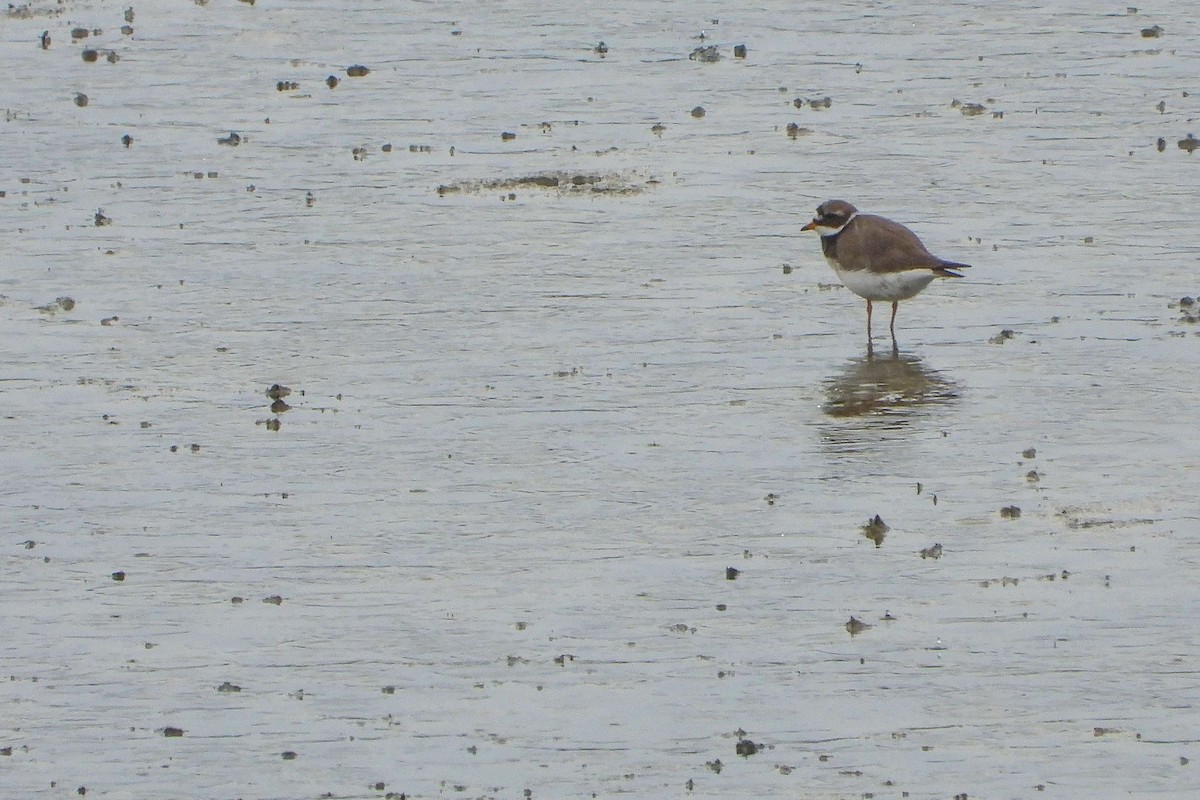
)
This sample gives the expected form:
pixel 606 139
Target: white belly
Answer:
pixel 888 286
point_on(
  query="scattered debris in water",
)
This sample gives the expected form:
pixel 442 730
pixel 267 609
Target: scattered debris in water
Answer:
pixel 59 304
pixel 875 530
pixel 969 109
pixel 816 104
pixel 564 182
pixel 1002 337
pixel 746 748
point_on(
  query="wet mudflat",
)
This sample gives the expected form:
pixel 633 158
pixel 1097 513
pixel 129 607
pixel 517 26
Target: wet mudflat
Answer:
pixel 443 402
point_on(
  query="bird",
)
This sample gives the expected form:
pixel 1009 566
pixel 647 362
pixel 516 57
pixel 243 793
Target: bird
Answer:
pixel 876 258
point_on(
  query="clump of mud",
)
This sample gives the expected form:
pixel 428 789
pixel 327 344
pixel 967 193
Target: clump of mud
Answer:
pixel 563 182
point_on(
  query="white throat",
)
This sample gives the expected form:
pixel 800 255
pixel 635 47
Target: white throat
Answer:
pixel 826 231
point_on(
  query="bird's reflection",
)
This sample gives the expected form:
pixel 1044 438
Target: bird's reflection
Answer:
pixel 883 393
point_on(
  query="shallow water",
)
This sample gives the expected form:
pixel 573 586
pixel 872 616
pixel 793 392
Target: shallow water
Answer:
pixel 486 550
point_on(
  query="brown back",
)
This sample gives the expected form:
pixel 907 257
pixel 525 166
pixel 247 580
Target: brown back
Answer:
pixel 876 243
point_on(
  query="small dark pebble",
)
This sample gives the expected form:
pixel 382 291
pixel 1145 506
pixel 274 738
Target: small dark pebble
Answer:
pixel 80 33
pixel 288 755
pixel 739 51
pixel 90 56
pixel 81 99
